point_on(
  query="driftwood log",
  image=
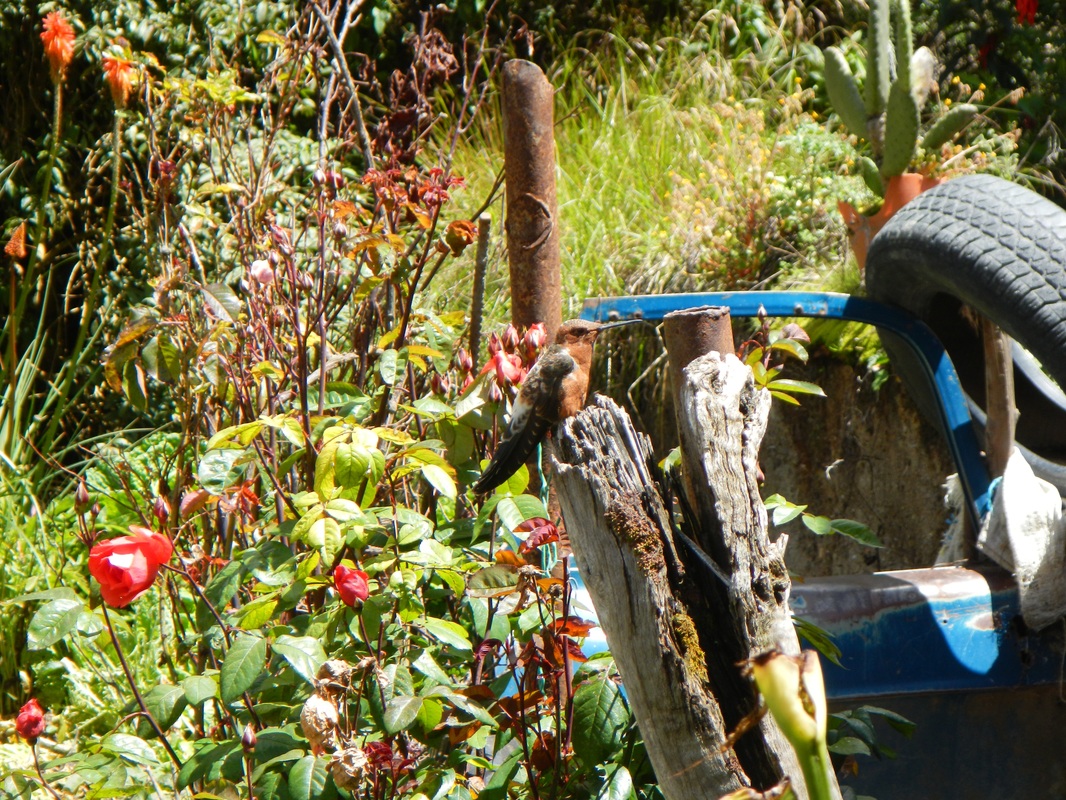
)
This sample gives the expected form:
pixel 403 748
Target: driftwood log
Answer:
pixel 683 602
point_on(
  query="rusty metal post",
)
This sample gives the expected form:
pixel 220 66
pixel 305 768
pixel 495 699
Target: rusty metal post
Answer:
pixel 692 333
pixel 999 397
pixel 532 221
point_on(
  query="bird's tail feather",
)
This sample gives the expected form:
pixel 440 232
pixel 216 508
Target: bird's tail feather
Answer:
pixel 512 453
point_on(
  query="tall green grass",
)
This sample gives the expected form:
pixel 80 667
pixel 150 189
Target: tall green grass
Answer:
pixel 690 163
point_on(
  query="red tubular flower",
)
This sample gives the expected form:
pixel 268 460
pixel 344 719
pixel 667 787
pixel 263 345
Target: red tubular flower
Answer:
pixel 30 722
pixel 1026 11
pixel 510 339
pixel 508 368
pixel 127 565
pixel 58 38
pixel 118 72
pixel 535 338
pixel 351 584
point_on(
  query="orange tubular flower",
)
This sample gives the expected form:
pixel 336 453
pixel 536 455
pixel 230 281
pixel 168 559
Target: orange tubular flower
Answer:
pixel 58 38
pixel 118 72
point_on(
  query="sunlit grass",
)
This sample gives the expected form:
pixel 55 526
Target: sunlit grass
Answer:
pixel 691 163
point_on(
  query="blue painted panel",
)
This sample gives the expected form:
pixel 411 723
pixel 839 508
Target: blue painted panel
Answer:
pixel 931 630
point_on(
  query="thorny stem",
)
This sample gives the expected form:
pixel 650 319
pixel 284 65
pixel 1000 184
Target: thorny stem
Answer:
pixel 136 694
pixel 40 774
pixel 342 63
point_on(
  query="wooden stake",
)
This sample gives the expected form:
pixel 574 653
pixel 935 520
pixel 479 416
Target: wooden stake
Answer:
pixel 532 215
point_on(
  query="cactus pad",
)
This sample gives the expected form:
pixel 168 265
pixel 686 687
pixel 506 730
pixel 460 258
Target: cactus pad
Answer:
pixel 901 131
pixel 844 92
pixel 948 125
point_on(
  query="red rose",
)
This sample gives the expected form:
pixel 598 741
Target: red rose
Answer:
pixel 126 566
pixel 352 584
pixel 30 722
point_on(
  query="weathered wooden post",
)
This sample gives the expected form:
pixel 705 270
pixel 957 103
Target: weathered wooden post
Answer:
pixel 680 609
pixel 532 212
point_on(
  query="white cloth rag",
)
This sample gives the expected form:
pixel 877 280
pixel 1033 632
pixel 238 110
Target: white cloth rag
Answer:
pixel 1025 533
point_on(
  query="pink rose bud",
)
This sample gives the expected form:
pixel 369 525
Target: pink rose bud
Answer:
pixel 261 272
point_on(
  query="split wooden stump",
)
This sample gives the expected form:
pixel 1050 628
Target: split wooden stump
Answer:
pixel 684 598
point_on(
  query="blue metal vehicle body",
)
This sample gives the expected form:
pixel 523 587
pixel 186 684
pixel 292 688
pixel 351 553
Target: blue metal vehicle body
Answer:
pixel 944 646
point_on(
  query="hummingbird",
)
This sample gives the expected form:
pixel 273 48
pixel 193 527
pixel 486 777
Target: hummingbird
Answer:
pixel 554 389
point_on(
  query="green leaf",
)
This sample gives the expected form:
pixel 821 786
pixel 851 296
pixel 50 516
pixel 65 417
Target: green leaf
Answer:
pixel 219 469
pixel 849 746
pixel 309 779
pixel 244 663
pixel 207 756
pixel 439 479
pixel 303 653
pixel 795 387
pixel 223 302
pixel 391 366
pixel 272 743
pixel 219 591
pixel 513 511
pixel 818 638
pixel 59 593
pixel 822 526
pixel 429 715
pixel 600 720
pixel 493 581
pixel 428 666
pixel 785 512
pixel 199 688
pixel 165 703
pixel 244 433
pixel 270 562
pixel 792 347
pixel 352 464
pixel 857 531
pixel 448 632
pixel 400 712
pixel 258 612
pixel 133 385
pixel 496 788
pixel 900 723
pixel 618 786
pixel 325 535
pixel 131 748
pixel 52 622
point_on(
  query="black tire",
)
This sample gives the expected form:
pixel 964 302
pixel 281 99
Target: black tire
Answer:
pixel 1000 249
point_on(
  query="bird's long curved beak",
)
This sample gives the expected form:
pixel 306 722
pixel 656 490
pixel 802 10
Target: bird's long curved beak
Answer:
pixel 619 322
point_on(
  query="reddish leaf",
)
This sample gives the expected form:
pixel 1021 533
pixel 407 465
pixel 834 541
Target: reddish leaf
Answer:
pixel 486 647
pixel 459 734
pixel 510 558
pixel 539 535
pixel 572 626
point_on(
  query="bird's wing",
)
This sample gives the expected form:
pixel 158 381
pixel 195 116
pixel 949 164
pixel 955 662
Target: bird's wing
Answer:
pixel 531 416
